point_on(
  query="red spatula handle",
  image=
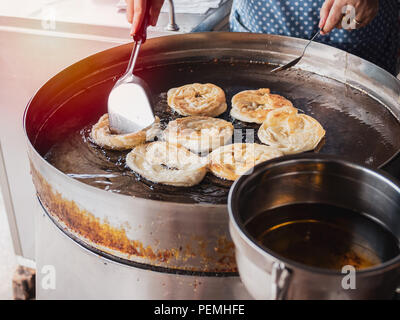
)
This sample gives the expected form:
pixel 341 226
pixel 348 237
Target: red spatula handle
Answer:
pixel 141 34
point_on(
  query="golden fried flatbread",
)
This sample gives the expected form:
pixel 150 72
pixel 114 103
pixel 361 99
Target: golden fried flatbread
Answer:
pixel 167 163
pixel 254 105
pixel 290 132
pixel 197 100
pixel 102 136
pixel 198 133
pixel 233 160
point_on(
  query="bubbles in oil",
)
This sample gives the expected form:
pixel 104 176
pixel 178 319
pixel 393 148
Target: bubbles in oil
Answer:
pixel 357 126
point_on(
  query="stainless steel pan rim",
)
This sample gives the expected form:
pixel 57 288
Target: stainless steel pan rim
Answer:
pixel 252 242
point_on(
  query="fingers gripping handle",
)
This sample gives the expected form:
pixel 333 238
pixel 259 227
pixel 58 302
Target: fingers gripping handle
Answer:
pixel 141 34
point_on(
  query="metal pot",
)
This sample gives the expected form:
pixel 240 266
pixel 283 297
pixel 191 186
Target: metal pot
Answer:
pixel 192 239
pixel 310 178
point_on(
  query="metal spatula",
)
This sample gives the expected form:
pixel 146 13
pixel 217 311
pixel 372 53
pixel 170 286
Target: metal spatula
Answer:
pixel 296 61
pixel 130 106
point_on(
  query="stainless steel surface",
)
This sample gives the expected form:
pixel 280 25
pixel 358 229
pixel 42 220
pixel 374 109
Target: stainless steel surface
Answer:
pixel 296 61
pixel 77 34
pixel 170 236
pixel 193 22
pixel 7 255
pixel 50 52
pixel 6 199
pixel 210 220
pixel 312 178
pixel 129 103
pixel 82 274
pixel 172 26
pixel 280 279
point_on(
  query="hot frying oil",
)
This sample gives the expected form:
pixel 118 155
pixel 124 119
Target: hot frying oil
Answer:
pixel 324 236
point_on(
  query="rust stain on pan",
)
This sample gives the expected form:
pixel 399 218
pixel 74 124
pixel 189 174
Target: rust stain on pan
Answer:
pixel 103 234
pixel 225 248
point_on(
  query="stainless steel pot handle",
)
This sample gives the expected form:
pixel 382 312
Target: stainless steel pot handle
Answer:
pixel 280 278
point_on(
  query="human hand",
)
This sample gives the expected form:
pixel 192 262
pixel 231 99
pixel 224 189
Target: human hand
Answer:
pixel 331 13
pixel 136 9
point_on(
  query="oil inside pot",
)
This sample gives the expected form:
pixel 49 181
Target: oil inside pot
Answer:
pixel 324 236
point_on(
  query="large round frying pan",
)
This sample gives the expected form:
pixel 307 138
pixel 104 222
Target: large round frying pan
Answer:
pixel 355 101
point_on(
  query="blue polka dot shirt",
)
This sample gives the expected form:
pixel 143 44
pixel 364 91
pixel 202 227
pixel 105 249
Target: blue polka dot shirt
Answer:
pixel 378 42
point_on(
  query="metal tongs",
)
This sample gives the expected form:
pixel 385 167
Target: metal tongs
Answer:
pixel 295 61
pixel 130 107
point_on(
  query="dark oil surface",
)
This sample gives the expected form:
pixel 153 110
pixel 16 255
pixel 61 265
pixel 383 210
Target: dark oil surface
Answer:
pixel 351 120
pixel 324 236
